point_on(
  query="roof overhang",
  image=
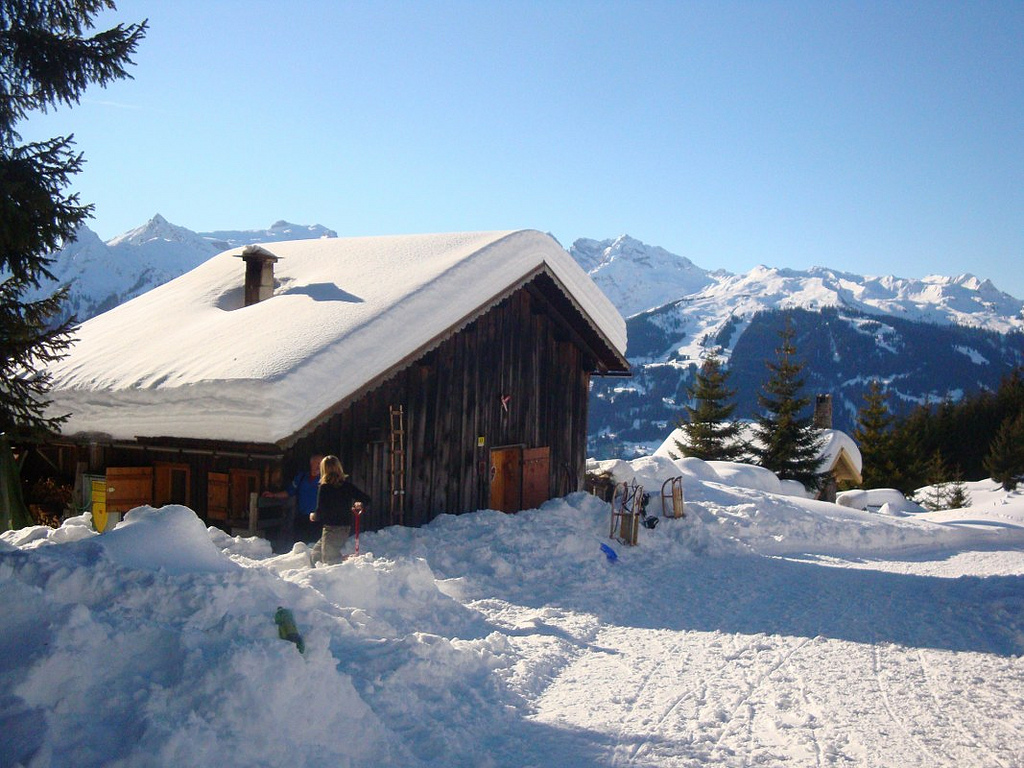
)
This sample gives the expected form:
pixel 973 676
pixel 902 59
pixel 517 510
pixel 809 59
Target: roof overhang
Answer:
pixel 844 469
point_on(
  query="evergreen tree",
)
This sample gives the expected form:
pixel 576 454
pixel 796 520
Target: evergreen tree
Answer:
pixel 910 465
pixel 786 442
pixel 874 436
pixel 45 61
pixel 962 431
pixel 957 496
pixel 935 495
pixel 710 432
pixel 1005 460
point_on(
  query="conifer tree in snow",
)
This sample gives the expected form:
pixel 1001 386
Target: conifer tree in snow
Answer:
pixel 46 60
pixel 786 440
pixel 875 439
pixel 910 458
pixel 935 495
pixel 957 496
pixel 710 433
pixel 1005 460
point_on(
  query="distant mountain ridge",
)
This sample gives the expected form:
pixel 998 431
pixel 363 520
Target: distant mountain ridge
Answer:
pixel 926 339
pixel 638 277
pixel 100 275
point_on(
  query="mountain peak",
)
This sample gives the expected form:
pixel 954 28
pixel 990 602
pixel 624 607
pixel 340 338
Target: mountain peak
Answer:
pixel 637 276
pixel 625 241
pixel 156 229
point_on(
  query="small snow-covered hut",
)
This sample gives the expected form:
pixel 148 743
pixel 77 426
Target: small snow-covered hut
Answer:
pixel 838 454
pixel 449 372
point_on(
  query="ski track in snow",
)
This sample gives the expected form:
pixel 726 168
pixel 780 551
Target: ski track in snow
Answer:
pixel 682 697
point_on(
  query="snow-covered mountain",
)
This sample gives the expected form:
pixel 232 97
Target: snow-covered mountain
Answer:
pixel 102 275
pixel 927 339
pixel 636 276
pixel 639 277
pixel 279 230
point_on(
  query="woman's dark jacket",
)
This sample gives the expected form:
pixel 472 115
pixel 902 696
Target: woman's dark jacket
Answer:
pixel 334 503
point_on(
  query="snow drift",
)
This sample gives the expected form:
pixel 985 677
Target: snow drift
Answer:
pixel 759 629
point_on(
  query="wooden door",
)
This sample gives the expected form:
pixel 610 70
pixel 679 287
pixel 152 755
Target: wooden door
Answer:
pixel 217 493
pixel 128 487
pixel 244 482
pixel 506 479
pixel 172 484
pixel 536 477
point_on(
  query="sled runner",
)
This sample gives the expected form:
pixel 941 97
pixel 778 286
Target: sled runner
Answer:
pixel 672 498
pixel 627 507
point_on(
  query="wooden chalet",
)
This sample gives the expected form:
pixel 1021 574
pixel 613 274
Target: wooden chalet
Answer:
pixel 448 372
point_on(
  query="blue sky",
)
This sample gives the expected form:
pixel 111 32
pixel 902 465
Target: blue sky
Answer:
pixel 871 137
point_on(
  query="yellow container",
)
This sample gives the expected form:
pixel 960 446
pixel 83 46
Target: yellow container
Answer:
pixel 98 489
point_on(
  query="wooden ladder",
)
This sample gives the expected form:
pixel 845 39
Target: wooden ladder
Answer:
pixel 397 465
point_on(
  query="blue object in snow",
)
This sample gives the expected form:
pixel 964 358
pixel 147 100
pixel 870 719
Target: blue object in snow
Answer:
pixel 610 553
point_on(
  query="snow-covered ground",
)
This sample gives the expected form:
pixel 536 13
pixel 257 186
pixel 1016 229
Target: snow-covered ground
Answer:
pixel 760 629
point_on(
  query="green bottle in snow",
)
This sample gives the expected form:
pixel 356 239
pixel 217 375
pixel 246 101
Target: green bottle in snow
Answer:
pixel 286 628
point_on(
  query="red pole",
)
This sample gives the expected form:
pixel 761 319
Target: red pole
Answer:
pixel 357 512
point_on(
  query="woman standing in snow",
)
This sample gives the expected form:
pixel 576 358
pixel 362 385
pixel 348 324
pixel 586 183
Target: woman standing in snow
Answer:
pixel 337 501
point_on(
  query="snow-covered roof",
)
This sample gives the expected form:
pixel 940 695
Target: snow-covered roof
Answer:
pixel 835 443
pixel 187 359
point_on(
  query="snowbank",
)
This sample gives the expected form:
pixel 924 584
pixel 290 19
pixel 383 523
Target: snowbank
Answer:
pixel 885 501
pixel 747 476
pixel 749 508
pixel 171 538
pixel 737 635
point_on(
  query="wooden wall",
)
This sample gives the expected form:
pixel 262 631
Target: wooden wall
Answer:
pixel 70 460
pixel 452 397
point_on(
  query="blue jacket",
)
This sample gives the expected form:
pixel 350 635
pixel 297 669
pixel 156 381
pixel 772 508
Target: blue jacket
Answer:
pixel 304 489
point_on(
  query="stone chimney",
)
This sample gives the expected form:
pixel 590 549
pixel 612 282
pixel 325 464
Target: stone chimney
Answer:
pixel 823 411
pixel 259 273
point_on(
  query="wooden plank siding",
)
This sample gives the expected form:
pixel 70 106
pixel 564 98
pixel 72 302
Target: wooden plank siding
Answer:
pixel 452 396
pixel 212 460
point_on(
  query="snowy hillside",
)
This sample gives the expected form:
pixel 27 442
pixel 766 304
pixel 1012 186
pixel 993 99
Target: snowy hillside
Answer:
pixel 843 351
pixel 758 630
pixel 103 275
